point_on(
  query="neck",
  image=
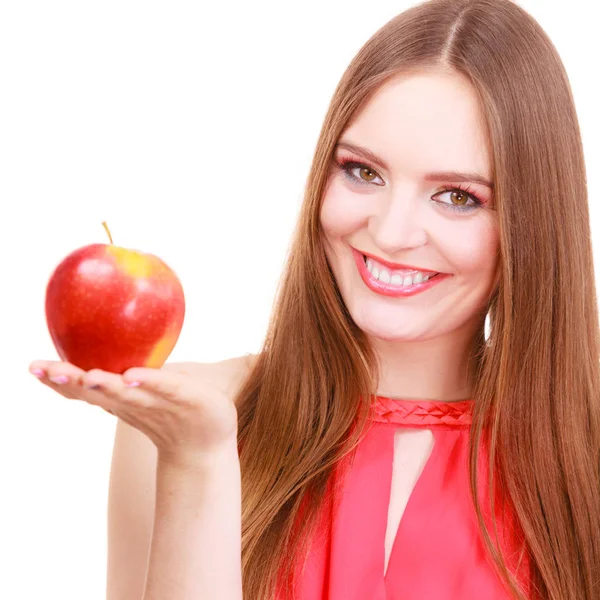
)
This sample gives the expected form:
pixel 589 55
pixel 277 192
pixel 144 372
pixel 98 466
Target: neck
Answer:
pixel 440 368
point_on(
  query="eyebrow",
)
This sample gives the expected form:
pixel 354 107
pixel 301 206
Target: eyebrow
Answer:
pixel 437 176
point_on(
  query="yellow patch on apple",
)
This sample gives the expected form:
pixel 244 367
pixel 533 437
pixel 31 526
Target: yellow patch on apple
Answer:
pixel 163 348
pixel 130 262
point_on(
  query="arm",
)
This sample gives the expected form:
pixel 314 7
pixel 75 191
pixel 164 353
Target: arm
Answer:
pixel 142 485
pixel 131 500
pixel 195 552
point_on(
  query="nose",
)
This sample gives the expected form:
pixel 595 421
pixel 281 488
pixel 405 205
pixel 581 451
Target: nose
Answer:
pixel 399 223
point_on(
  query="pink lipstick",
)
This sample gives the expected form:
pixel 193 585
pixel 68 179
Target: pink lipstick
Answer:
pixel 390 289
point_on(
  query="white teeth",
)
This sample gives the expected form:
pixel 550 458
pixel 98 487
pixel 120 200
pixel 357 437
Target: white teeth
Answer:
pixel 385 276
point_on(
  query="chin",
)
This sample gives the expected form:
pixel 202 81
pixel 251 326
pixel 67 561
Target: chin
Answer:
pixel 377 326
pixel 396 336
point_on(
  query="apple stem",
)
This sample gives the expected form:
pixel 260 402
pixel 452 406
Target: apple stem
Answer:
pixel 107 231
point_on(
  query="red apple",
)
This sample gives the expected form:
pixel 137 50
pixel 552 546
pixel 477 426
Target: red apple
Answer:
pixel 112 308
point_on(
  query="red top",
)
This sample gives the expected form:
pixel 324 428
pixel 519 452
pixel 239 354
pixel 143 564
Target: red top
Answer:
pixel 438 552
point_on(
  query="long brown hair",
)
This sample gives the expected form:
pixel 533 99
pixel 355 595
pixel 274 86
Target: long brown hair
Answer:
pixel 538 384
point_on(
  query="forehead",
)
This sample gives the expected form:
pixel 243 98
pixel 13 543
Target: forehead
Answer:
pixel 424 121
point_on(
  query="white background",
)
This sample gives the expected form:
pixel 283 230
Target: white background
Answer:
pixel 189 127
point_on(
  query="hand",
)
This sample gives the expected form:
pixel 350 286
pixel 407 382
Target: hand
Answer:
pixel 186 412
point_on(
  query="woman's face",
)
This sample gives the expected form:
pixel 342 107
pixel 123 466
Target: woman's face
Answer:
pixel 392 197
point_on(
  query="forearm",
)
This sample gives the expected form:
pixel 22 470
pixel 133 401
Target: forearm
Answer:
pixel 196 541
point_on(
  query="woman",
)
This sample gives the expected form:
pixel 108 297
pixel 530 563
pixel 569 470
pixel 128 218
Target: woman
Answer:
pixel 386 447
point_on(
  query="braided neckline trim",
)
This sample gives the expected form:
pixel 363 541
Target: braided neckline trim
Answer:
pixel 422 413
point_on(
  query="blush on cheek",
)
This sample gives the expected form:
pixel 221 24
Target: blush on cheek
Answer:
pixel 341 212
pixel 472 248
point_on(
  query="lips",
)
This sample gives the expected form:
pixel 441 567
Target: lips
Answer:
pixel 404 271
pixel 395 266
pixel 394 290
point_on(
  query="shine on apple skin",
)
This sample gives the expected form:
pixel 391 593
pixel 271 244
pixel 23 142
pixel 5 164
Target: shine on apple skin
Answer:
pixel 111 308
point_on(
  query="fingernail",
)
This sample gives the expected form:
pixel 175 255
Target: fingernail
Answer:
pixel 133 384
pixel 38 373
pixel 59 379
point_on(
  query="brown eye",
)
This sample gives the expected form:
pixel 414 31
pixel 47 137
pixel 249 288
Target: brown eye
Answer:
pixel 367 174
pixel 459 198
pixel 360 173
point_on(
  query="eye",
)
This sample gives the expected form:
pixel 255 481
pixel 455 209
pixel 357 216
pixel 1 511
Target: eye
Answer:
pixel 366 175
pixel 459 199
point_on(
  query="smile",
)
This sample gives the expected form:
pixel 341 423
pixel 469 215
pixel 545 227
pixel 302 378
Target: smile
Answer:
pixel 400 278
pixel 396 283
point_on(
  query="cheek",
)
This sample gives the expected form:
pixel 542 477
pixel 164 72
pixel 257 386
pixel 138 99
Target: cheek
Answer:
pixel 474 249
pixel 342 212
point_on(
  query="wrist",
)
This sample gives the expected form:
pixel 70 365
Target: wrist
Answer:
pixel 194 460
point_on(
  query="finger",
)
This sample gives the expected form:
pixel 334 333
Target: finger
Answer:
pixel 39 366
pixel 62 377
pixel 70 381
pixel 116 389
pixel 64 372
pixel 94 388
pixel 168 384
pixel 53 369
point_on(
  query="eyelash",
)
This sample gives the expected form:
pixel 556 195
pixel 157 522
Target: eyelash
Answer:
pixel 347 165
